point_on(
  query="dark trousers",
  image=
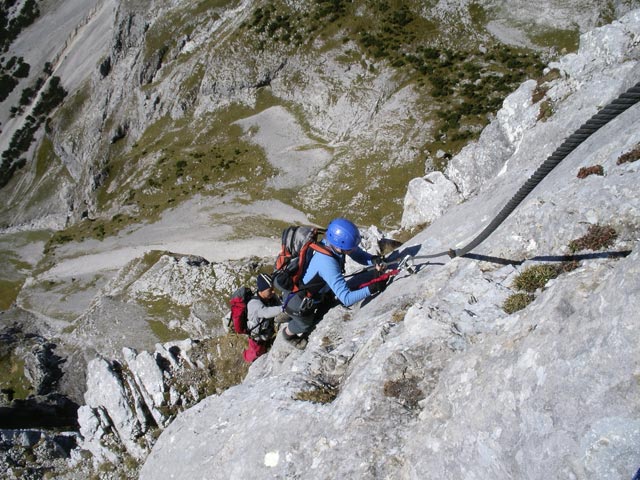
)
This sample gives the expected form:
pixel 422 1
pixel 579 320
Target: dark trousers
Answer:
pixel 304 318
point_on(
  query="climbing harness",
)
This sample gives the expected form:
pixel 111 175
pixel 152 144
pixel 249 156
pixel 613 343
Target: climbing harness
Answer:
pixel 406 265
pixel 600 119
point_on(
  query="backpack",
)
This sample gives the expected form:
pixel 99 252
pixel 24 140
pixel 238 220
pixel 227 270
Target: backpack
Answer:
pixel 294 256
pixel 237 321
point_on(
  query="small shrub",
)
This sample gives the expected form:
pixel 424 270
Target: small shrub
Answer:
pixel 631 156
pixel 22 71
pixel 180 164
pixel 7 84
pixel 546 110
pixel 105 67
pixel 99 231
pixel 120 133
pixel 319 394
pixel 597 238
pixel 539 93
pixel 516 302
pixel 584 172
pixel 535 277
pixel 405 390
pixel 569 266
pixel 398 315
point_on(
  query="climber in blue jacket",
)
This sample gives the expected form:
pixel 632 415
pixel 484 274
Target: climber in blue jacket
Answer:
pixel 323 281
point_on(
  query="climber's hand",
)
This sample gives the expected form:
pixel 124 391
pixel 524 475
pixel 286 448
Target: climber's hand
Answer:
pixel 379 263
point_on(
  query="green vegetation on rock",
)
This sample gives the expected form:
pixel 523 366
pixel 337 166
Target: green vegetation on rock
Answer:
pixel 13 378
pixel 534 278
pixel 178 24
pixel 9 291
pixel 463 83
pixel 25 136
pixel 224 367
pixel 517 302
pixel 163 333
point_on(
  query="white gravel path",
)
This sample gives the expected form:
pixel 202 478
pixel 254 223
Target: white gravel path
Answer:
pixel 187 229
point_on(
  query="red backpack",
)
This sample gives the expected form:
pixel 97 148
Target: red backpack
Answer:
pixel 238 318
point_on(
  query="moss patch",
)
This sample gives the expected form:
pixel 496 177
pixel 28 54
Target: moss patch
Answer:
pixel 516 302
pixel 165 334
pixel 405 390
pixel 536 277
pixel 398 316
pixel 546 111
pixel 13 265
pixel 597 237
pixel 228 367
pixel 566 40
pixel 318 394
pixel 73 106
pixel 224 367
pixel 161 310
pixel 252 227
pixel 370 198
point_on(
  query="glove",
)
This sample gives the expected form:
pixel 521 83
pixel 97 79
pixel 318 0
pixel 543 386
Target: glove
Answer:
pixel 377 287
pixel 282 318
pixel 379 263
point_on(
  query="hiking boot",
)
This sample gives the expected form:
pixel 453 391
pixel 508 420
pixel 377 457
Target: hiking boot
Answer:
pixel 299 342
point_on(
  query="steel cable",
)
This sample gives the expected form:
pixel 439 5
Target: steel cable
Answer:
pixel 600 119
pixel 605 115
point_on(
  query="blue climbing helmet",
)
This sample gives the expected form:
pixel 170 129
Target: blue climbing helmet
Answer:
pixel 343 234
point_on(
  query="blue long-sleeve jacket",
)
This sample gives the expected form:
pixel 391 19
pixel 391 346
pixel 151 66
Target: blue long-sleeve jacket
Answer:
pixel 329 268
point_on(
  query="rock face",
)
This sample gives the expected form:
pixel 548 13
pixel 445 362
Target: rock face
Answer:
pixel 27 454
pixel 434 379
pixel 428 198
pixel 550 395
pixel 33 414
pixel 32 370
pixel 128 403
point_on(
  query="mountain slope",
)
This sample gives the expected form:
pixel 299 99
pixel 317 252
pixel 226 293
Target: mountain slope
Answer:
pixel 379 88
pixel 204 127
pixel 433 379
